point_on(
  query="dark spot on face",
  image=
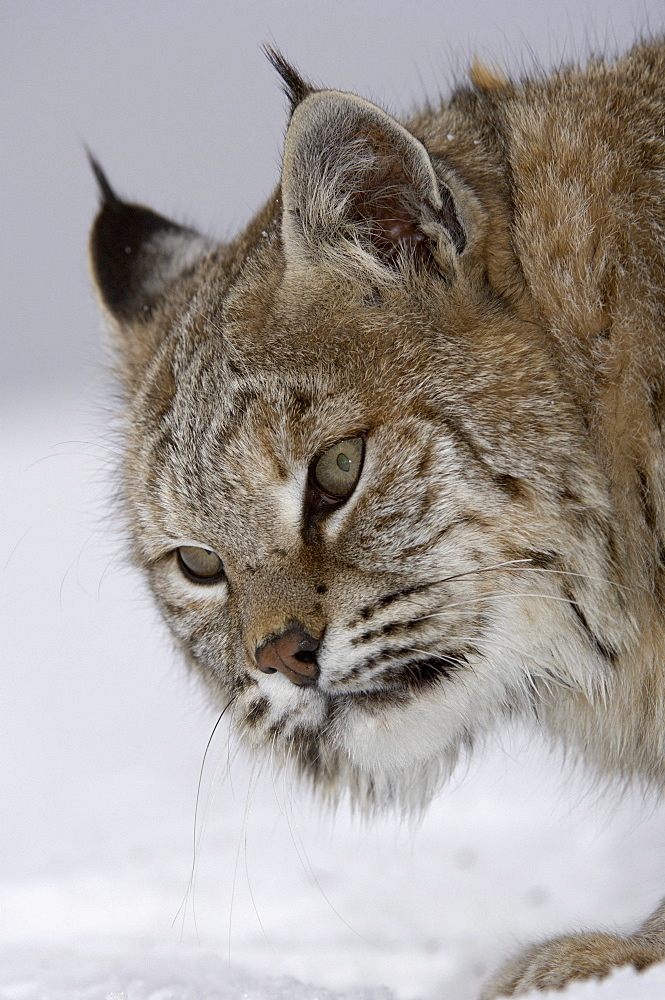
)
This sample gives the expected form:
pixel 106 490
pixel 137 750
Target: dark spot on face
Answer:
pixel 174 610
pixel 612 547
pixel 278 552
pixel 275 730
pixel 240 683
pixel 300 401
pixel 355 672
pixel 307 748
pixel 369 610
pixel 282 468
pixel 321 589
pixel 387 599
pixel 384 524
pixel 390 628
pixel 509 485
pixel 657 402
pixel 257 712
pixel 415 550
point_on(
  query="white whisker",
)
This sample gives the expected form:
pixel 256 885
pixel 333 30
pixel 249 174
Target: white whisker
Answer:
pixel 483 569
pixel 491 596
pixel 197 832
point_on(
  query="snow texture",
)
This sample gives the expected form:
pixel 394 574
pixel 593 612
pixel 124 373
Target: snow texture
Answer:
pixel 624 984
pixel 194 975
pixel 75 975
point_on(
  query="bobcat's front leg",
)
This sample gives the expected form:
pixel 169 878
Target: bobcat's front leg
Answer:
pixel 553 964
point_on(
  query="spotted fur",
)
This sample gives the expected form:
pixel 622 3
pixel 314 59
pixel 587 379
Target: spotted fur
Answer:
pixel 477 295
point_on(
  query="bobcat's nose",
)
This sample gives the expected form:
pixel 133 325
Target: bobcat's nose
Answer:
pixel 293 653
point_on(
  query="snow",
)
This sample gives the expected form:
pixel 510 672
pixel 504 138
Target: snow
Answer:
pixel 194 975
pixel 102 739
pixel 152 975
pixel 623 984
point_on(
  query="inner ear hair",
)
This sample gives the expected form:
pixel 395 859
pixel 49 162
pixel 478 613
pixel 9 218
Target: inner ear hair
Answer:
pixel 398 223
pixel 358 187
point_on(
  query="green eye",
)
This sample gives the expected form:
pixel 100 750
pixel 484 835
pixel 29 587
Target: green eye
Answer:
pixel 336 472
pixel 200 565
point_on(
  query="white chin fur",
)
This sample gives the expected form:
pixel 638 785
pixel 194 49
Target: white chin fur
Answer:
pixel 404 738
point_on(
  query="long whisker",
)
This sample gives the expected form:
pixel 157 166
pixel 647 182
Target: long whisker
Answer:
pixel 303 857
pixel 523 567
pixel 492 595
pixel 579 576
pixel 196 832
pixel 482 569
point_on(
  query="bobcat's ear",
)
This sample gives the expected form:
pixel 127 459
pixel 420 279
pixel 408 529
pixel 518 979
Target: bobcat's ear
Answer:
pixel 136 254
pixel 359 189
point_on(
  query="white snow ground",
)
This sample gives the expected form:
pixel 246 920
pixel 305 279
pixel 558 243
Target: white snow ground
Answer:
pixel 101 743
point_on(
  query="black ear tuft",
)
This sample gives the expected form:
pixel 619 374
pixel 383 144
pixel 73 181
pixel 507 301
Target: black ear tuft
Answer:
pixel 106 191
pixel 295 88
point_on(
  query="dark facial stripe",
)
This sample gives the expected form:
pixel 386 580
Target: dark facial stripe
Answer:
pixel 369 610
pixel 417 674
pixel 606 651
pixel 381 665
pixel 390 628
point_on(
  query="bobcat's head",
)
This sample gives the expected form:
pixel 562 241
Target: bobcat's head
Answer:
pixel 355 481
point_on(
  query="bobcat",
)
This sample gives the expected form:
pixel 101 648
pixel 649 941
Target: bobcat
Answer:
pixel 394 462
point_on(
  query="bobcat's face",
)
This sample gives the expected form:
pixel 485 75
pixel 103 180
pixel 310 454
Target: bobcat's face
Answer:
pixel 363 500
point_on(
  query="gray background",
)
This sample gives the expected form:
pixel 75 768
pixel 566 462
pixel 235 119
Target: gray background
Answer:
pixel 101 736
pixel 182 109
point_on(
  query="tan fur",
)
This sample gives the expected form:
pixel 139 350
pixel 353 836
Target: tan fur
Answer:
pixel 478 295
pixel 485 77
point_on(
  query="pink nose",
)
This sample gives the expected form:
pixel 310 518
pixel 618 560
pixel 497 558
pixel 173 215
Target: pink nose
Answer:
pixel 292 653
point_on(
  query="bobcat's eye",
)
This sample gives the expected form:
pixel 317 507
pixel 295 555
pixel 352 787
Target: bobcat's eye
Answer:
pixel 200 565
pixel 336 472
